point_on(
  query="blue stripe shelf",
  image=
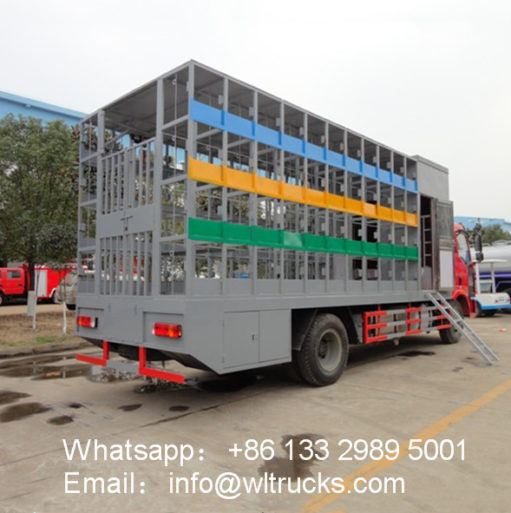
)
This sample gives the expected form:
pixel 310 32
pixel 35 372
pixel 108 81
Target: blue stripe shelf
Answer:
pixel 224 120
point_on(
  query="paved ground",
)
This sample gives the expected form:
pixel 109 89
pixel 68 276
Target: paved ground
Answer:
pixel 419 389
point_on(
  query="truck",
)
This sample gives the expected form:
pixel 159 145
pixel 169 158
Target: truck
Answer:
pixel 477 290
pixel 66 291
pixel 228 229
pixel 15 282
pixel 499 251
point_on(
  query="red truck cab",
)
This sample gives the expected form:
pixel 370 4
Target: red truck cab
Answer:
pixel 464 271
pixel 12 282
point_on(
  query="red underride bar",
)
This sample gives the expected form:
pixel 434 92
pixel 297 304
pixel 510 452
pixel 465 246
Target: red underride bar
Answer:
pixel 142 368
pixel 154 373
pixel 376 326
pixel 410 321
pixel 96 361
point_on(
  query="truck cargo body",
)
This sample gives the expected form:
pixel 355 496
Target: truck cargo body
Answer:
pixel 220 221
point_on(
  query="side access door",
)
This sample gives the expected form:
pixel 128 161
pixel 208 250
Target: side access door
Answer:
pixel 444 240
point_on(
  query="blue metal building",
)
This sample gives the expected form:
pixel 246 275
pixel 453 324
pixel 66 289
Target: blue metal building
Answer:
pixel 14 104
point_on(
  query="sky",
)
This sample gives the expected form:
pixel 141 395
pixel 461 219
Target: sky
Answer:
pixel 425 77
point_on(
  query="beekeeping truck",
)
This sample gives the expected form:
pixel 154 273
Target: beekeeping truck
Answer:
pixel 229 229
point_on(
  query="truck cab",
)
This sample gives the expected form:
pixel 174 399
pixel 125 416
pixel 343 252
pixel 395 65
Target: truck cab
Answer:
pixel 464 271
pixel 12 283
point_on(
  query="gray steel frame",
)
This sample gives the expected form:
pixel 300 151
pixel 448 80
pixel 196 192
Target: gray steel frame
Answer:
pixel 147 270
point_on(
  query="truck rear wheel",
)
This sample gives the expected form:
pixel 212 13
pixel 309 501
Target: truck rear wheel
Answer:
pixel 452 335
pixel 507 310
pixel 324 351
pixel 483 313
pixel 2 299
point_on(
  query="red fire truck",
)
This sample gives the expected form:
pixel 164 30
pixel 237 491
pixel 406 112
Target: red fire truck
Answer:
pixel 15 282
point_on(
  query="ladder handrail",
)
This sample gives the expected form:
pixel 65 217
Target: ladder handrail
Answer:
pixel 457 318
pixel 459 323
pixel 446 308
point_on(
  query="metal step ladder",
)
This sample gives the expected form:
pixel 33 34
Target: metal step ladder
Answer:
pixel 458 322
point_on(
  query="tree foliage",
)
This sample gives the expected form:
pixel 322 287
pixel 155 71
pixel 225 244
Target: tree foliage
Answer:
pixel 495 232
pixel 38 190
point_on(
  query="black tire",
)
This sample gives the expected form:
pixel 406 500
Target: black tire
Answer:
pixel 483 313
pixel 324 351
pixel 70 306
pixel 2 299
pixel 506 310
pixel 452 335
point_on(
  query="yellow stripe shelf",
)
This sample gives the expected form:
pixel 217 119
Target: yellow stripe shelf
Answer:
pixel 225 176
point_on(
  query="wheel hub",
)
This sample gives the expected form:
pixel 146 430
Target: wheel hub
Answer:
pixel 329 350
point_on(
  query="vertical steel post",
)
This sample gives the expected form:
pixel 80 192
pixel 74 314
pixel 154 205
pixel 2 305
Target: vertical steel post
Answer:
pixel 326 187
pixel 158 170
pixel 99 196
pixel 225 141
pixel 393 225
pixel 347 217
pixel 191 186
pixel 363 219
pixel 306 207
pixel 405 209
pixel 253 201
pixel 378 222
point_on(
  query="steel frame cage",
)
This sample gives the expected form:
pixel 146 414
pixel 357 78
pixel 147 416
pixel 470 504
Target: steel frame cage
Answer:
pixel 158 116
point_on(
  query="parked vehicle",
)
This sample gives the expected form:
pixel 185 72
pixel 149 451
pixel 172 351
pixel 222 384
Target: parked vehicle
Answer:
pixel 15 282
pixel 476 292
pixel 66 291
pixel 12 283
pixel 501 251
pixel 284 237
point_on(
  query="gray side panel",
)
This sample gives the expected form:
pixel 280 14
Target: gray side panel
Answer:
pixel 241 338
pixel 124 322
pixel 275 335
pixel 432 179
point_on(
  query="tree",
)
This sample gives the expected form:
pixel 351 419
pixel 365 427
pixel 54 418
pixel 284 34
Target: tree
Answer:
pixel 3 249
pixel 495 232
pixel 38 191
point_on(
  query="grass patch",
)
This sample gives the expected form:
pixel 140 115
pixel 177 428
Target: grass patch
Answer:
pixel 16 330
pixel 50 340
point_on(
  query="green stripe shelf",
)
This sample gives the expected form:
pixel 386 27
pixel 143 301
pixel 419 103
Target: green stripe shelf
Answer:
pixel 229 233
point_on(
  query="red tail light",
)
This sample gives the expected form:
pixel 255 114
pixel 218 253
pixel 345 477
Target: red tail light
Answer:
pixel 167 330
pixel 86 322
